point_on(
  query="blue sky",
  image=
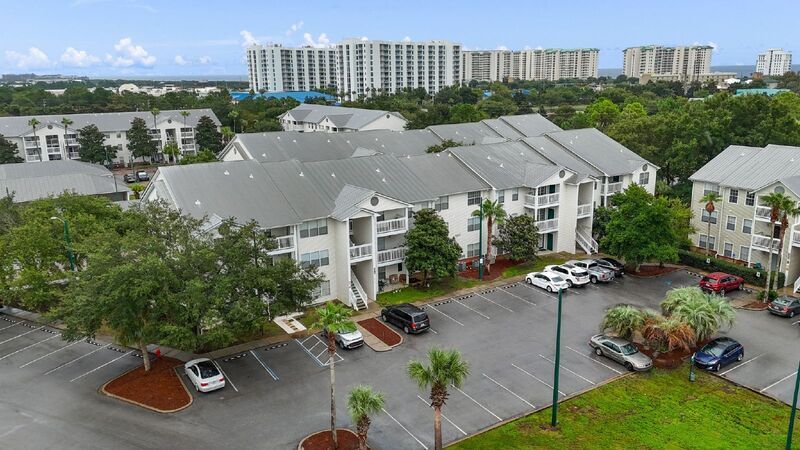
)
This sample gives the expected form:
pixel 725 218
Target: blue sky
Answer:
pixel 151 37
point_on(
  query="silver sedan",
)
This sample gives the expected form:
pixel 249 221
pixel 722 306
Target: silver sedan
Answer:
pixel 620 351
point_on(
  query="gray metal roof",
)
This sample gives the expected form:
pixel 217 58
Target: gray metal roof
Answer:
pixel 346 204
pixel 721 166
pixel 300 191
pixel 752 168
pixel 530 124
pixel 505 165
pixel 599 150
pixel 475 133
pixel 441 174
pixel 342 117
pixel 105 122
pixel 503 129
pixel 561 156
pixel 32 181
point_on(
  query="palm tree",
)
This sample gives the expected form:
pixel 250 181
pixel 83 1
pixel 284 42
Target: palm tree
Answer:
pixel 66 122
pixel 155 112
pixel 669 334
pixel 446 368
pixel 623 321
pixel 233 115
pixel 362 403
pixel 185 115
pixel 227 134
pixel 33 123
pixel 709 200
pixel 334 318
pixel 705 314
pixel 788 209
pixel 775 201
pixel 494 213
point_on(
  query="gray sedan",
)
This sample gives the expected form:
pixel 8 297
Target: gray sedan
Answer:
pixel 620 351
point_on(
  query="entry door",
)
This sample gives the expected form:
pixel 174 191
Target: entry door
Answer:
pixel 549 241
pixel 551 213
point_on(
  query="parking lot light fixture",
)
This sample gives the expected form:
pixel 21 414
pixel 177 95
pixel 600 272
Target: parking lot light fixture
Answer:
pixel 554 417
pixel 70 256
pixel 794 408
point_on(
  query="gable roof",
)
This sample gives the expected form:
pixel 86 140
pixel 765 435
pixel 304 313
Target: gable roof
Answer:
pixel 554 152
pixel 442 174
pixel 467 133
pixel 530 125
pixel 342 117
pixel 33 181
pixel 506 165
pixel 752 168
pixel 599 150
pixel 503 129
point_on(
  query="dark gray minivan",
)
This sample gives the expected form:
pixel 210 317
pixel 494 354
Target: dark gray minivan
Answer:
pixel 410 318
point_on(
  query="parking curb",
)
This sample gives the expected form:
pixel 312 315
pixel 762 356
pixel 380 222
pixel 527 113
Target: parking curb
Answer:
pixel 103 391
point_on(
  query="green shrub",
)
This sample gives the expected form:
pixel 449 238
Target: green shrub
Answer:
pixel 718 265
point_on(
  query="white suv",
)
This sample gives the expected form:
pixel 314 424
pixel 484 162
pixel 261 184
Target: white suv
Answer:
pixel 550 281
pixel 573 275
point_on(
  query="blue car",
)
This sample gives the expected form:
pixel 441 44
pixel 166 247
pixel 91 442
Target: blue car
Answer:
pixel 718 353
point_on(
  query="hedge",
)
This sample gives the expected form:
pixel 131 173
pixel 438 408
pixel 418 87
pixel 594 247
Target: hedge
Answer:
pixel 717 265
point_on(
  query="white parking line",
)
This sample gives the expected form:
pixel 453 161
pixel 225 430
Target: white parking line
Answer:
pixel 446 315
pixel 779 381
pixel 494 302
pixel 509 391
pixel 742 364
pixel 269 371
pixel 471 309
pixel 444 417
pixel 29 346
pixel 574 373
pixel 516 296
pixel 406 429
pixel 45 356
pixel 795 322
pixel 100 367
pixel 79 357
pixel 537 378
pixel 227 378
pixel 476 402
pixel 539 290
pixel 23 334
pixel 594 360
pixel 15 324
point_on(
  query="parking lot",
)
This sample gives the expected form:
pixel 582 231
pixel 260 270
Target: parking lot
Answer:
pixel 278 394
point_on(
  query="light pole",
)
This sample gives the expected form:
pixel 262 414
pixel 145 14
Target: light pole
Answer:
pixel 67 242
pixel 794 409
pixel 480 242
pixel 554 417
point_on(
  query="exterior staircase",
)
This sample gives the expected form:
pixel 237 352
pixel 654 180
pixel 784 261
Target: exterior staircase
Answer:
pixel 358 298
pixel 586 242
pixel 796 285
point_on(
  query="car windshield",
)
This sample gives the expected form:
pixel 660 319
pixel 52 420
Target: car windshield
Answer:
pixel 713 349
pixel 709 280
pixel 591 266
pixel 580 273
pixel 782 301
pixel 629 349
pixel 557 279
pixel 207 369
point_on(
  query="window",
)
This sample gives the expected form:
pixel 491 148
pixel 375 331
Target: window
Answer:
pixel 747 226
pixel 731 224
pixel 705 217
pixel 441 203
pixel 473 224
pixel 705 240
pixel 744 253
pixel 473 250
pixel 750 199
pixel 728 250
pixel 314 228
pixel 710 187
pixel 644 178
pixel 318 259
pixel 515 194
pixel 733 196
pixel 501 196
pixel 474 198
pixel 323 290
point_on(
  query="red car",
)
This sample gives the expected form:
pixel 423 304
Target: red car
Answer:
pixel 721 283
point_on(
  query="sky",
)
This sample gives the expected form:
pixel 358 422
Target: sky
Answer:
pixel 161 38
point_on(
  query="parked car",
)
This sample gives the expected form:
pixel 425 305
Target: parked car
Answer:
pixel 131 178
pixel 785 306
pixel 410 318
pixel 721 282
pixel 550 281
pixel 620 351
pixel 718 353
pixel 204 375
pixel 573 275
pixel 613 265
pixel 142 175
pixel 350 340
pixel 596 273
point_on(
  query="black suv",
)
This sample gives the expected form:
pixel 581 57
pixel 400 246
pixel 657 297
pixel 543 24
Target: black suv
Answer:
pixel 612 264
pixel 408 317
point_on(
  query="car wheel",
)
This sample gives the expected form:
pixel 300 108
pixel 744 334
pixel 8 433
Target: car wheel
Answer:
pixel 383 317
pixel 405 329
pixel 528 280
pixel 549 289
pixel 593 279
pixel 739 287
pixel 791 314
pixel 740 357
pixel 598 352
pixel 716 368
pixel 722 292
pixel 569 283
pixel 629 366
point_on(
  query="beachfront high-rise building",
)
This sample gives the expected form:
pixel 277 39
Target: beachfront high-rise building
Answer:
pixel 774 62
pixel 685 62
pixel 541 64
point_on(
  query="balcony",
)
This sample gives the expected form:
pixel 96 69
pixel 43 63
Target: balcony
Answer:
pixel 285 244
pixel 391 256
pixel 541 201
pixel 584 211
pixel 392 226
pixel 360 252
pixel 612 188
pixel 796 239
pixel 763 213
pixel 763 243
pixel 547 226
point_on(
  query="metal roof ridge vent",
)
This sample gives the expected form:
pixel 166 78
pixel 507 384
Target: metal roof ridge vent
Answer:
pixel 279 138
pixel 333 175
pixel 264 155
pixel 501 165
pixel 294 140
pixel 378 170
pixel 226 172
pixel 251 176
pixel 383 179
pixel 197 203
pixel 301 174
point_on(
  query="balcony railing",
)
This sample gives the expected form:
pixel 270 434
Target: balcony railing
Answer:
pixel 360 251
pixel 546 226
pixel 392 255
pixel 284 243
pixel 796 239
pixel 612 188
pixel 763 213
pixel 392 226
pixel 584 211
pixel 763 243
pixel 541 201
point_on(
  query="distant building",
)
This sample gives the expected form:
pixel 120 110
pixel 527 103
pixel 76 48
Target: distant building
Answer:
pixel 549 64
pixel 774 62
pixel 300 96
pixel 28 182
pixel 760 91
pixel 332 119
pixel 688 63
pixel 714 77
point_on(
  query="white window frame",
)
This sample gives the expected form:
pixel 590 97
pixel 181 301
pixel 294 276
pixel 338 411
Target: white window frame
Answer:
pixel 473 224
pixel 319 258
pixel 501 196
pixel 710 187
pixel 725 252
pixel 644 178
pixel 514 194
pixel 474 198
pixel 441 203
pixel 728 223
pixel 473 250
pixel 750 199
pixel 744 225
pixel 313 228
pixel 323 290
pixel 704 216
pixel 733 196
pixel 744 253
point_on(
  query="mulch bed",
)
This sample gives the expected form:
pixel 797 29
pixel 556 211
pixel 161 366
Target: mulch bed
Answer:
pixel 381 331
pixel 160 388
pixel 497 268
pixel 757 305
pixel 669 360
pixel 322 440
pixel 651 271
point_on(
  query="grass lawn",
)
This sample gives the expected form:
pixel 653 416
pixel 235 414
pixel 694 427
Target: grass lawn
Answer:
pixel 413 293
pixel 655 410
pixel 533 266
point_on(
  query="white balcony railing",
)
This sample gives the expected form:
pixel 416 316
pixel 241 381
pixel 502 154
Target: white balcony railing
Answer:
pixel 74 155
pixel 763 243
pixel 546 226
pixel 584 211
pixel 541 201
pixel 392 225
pixel 284 243
pixel 360 251
pixel 612 188
pixel 392 255
pixel 763 213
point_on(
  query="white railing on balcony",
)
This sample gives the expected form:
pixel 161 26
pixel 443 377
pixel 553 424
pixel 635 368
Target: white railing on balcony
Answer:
pixel 796 239
pixel 391 255
pixel 284 242
pixel 546 226
pixel 587 243
pixel 541 201
pixel 31 145
pixel 584 211
pixel 360 251
pixel 71 141
pixel 74 155
pixel 763 243
pixel 392 225
pixel 763 213
pixel 612 188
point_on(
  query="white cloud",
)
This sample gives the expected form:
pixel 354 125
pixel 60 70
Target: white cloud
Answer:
pixel 364 38
pixel 321 41
pixel 204 60
pixel 294 28
pixel 33 59
pixel 128 54
pixel 248 39
pixel 714 46
pixel 501 47
pixel 179 60
pixel 407 39
pixel 78 58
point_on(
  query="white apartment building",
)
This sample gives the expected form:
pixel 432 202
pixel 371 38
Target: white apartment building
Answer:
pixel 686 61
pixel 50 141
pixel 740 225
pixel 344 202
pixel 308 117
pixel 547 64
pixel 274 68
pixel 774 62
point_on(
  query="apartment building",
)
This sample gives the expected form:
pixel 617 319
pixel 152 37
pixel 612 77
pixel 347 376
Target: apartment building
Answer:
pixel 345 201
pixel 274 68
pixel 542 64
pixel 308 117
pixel 684 61
pixel 774 62
pixel 740 226
pixel 50 141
